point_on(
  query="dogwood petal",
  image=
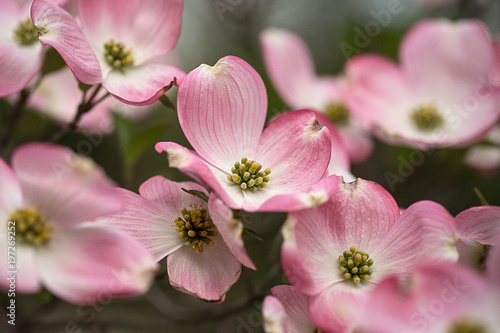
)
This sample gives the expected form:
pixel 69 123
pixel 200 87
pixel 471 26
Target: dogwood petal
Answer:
pixel 295 307
pixel 481 224
pixel 207 275
pixel 274 315
pixel 59 29
pixel 67 188
pixel 24 267
pixel 195 167
pixel 229 229
pixel 297 150
pixel 222 110
pixel 428 55
pixel 18 66
pixel 293 76
pixel 141 85
pixel 151 28
pixel 493 261
pixel 147 222
pixel 91 263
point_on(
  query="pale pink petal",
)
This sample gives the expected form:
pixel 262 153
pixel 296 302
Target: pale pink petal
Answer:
pixel 92 263
pixel 297 150
pixel 357 142
pixel 493 262
pixel 147 222
pixel 149 27
pixel 222 110
pixel 59 29
pixel 192 165
pixel 428 54
pixel 141 85
pixel 484 158
pixel 10 192
pixel 337 311
pixel 424 231
pixel 274 315
pixel 169 195
pixel 24 268
pixel 290 67
pixel 295 307
pixel 18 66
pixel 207 275
pixel 229 229
pixel 67 188
pixel 481 224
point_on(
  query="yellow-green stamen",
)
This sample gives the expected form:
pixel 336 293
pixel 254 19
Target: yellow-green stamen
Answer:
pixel 465 326
pixel 248 175
pixel 427 118
pixel 196 226
pixel 117 55
pixel 337 113
pixel 32 227
pixel 26 33
pixel 355 265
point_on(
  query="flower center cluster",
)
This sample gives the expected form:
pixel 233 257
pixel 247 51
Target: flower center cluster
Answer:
pixel 465 326
pixel 337 113
pixel 427 118
pixel 26 33
pixel 355 265
pixel 248 175
pixel 32 227
pixel 196 226
pixel 117 55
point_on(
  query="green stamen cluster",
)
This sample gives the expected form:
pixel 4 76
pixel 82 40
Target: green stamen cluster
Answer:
pixel 117 56
pixel 32 227
pixel 467 327
pixel 196 226
pixel 426 118
pixel 26 33
pixel 337 113
pixel 248 175
pixel 355 265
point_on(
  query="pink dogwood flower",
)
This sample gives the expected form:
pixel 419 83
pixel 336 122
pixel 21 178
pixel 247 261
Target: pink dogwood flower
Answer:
pixel 442 94
pixel 286 311
pixel 291 69
pixel 436 298
pixel 202 242
pixel 119 44
pixel 46 202
pixel 337 252
pixel 21 54
pixel 222 110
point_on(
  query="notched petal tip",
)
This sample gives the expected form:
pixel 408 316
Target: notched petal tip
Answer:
pixel 312 129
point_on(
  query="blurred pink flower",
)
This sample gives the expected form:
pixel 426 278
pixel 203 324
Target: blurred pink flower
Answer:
pixel 119 44
pixel 49 196
pixel 485 157
pixel 337 252
pixel 202 241
pixel 286 311
pixel 442 94
pixel 222 110
pixel 291 69
pixel 21 54
pixel 58 97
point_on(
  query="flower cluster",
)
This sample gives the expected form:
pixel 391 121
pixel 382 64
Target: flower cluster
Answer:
pixel 351 258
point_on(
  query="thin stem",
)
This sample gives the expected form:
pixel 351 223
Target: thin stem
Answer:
pixel 17 112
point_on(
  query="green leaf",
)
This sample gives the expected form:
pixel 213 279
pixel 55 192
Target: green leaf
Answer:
pixel 84 87
pixel 196 193
pixel 53 62
pixel 251 233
